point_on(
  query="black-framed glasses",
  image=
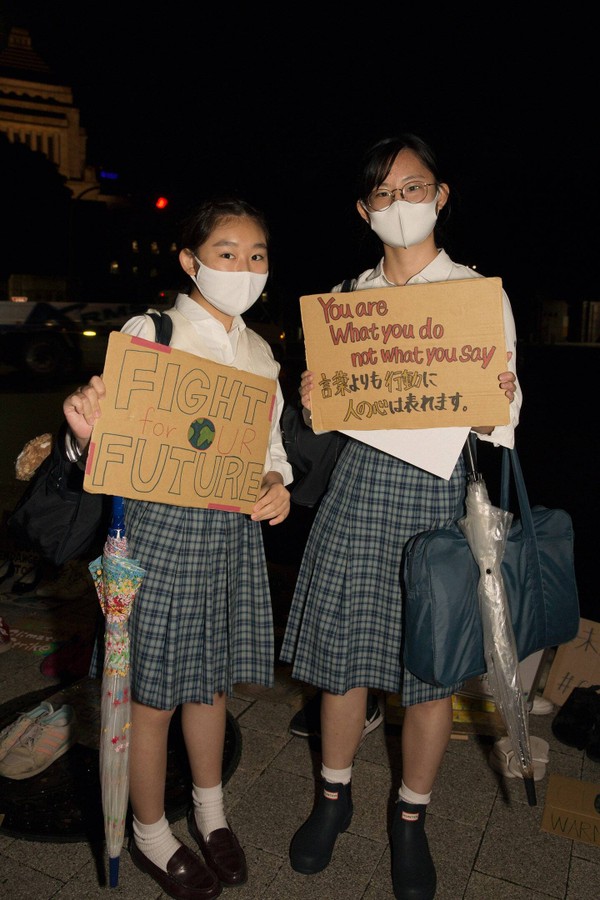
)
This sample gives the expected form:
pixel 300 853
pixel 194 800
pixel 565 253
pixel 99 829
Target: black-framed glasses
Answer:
pixel 412 192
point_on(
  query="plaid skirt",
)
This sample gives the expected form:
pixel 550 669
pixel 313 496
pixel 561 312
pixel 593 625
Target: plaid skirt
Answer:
pixel 345 624
pixel 202 620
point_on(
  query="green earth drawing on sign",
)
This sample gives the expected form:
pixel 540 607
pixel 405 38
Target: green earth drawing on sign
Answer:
pixel 201 434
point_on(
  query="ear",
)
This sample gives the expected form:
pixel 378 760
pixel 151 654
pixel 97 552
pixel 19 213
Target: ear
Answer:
pixel 187 263
pixel 442 198
pixel 362 211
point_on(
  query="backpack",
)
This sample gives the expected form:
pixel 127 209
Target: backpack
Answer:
pixel 55 517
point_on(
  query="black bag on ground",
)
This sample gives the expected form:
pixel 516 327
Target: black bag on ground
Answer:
pixel 55 517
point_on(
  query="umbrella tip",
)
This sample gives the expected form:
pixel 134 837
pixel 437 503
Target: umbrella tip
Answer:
pixel 113 871
pixel 530 791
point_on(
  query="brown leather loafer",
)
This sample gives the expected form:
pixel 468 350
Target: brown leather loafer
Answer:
pixel 222 853
pixel 186 878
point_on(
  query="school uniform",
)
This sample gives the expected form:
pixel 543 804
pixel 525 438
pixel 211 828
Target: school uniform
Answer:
pixel 344 629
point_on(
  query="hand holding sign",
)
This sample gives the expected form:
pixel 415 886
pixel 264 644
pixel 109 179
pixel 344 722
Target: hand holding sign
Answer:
pixel 179 429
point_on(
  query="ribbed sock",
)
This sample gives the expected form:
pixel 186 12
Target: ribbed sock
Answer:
pixel 157 841
pixel 337 776
pixel 208 809
pixel 409 796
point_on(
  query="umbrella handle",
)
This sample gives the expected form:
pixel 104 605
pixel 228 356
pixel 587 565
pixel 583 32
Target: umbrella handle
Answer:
pixel 117 525
pixel 470 457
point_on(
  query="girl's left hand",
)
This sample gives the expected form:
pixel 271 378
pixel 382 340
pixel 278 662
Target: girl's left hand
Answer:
pixel 273 503
pixel 507 381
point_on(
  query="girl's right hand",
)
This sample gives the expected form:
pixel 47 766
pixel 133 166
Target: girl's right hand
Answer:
pixel 307 384
pixel 82 409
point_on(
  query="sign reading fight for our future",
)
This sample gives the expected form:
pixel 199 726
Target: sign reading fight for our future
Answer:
pixel 176 428
pixel 419 356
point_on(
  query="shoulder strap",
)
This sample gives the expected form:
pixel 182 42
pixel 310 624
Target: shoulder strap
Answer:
pixel 348 284
pixel 163 326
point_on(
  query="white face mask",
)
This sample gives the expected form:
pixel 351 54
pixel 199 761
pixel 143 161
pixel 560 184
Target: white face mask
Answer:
pixel 230 292
pixel 404 224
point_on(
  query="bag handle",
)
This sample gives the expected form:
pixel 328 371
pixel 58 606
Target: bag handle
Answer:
pixel 510 462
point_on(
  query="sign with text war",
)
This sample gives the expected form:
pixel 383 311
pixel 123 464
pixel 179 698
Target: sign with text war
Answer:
pixel 177 428
pixel 419 356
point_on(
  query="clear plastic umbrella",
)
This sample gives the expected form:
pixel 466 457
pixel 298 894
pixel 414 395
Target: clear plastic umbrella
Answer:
pixel 486 529
pixel 117 579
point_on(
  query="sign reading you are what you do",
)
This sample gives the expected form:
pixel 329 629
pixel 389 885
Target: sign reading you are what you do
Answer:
pixel 419 356
pixel 179 429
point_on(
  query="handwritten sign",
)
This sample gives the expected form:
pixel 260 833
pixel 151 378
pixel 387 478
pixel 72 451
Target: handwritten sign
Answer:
pixel 179 429
pixel 575 664
pixel 419 356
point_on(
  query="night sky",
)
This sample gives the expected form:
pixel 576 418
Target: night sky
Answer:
pixel 279 106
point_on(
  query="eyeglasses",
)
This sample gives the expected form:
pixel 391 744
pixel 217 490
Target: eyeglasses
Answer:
pixel 413 192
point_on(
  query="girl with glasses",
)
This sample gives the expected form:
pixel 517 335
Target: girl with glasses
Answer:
pixel 344 631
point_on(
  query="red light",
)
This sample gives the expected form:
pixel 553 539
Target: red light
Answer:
pixel 161 203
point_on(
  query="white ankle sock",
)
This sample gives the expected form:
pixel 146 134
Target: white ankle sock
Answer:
pixel 409 796
pixel 208 809
pixel 157 841
pixel 337 776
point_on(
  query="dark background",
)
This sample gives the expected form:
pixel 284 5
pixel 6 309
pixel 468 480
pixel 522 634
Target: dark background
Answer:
pixel 279 104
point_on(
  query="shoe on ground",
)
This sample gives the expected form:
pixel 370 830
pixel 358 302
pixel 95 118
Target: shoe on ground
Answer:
pixel 413 871
pixel 186 878
pixel 502 758
pixel 28 581
pixel 307 721
pixel 5 642
pixel 312 845
pixel 541 706
pixel 222 853
pixel 47 739
pixel 13 733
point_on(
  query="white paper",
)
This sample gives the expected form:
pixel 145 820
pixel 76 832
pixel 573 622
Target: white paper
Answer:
pixel 434 449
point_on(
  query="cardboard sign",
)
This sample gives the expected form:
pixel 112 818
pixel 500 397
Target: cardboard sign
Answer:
pixel 419 356
pixel 572 809
pixel 179 429
pixel 575 664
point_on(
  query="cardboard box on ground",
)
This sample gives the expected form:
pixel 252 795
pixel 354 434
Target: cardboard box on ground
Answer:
pixel 575 664
pixel 572 809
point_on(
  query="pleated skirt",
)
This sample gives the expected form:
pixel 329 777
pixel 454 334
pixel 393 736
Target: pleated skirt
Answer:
pixel 202 620
pixel 344 629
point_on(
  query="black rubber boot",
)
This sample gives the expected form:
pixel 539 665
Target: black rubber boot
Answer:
pixel 413 872
pixel 313 843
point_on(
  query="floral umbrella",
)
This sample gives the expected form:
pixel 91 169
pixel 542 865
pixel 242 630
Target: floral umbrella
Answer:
pixel 486 529
pixel 117 579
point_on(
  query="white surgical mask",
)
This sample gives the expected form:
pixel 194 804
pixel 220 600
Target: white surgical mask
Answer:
pixel 230 292
pixel 404 224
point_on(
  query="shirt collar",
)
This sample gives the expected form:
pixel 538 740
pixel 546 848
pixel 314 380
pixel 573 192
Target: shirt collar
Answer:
pixel 196 313
pixel 439 269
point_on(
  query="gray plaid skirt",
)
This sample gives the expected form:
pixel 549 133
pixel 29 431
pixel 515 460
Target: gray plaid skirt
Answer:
pixel 202 620
pixel 345 624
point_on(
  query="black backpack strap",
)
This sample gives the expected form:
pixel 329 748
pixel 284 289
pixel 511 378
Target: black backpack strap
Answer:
pixel 348 284
pixel 163 326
